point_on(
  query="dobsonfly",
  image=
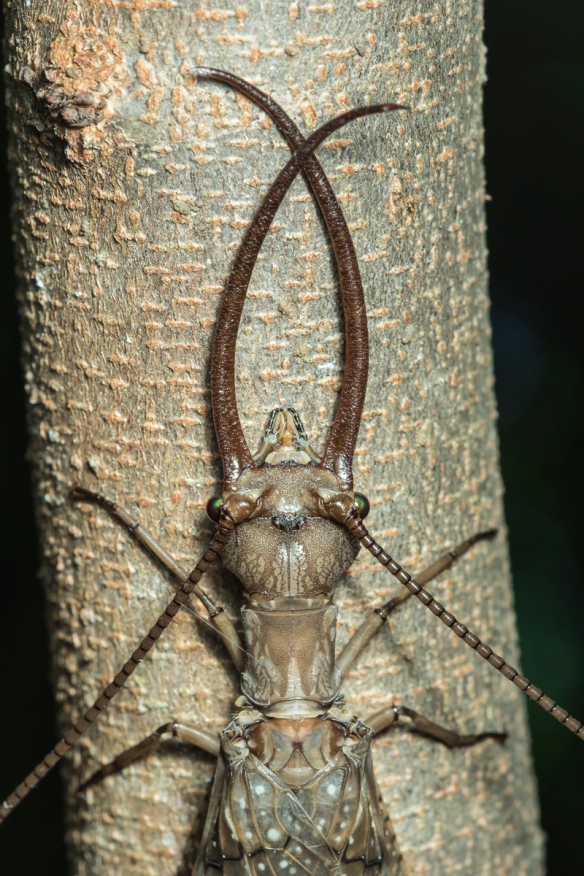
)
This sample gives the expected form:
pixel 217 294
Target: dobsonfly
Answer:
pixel 294 789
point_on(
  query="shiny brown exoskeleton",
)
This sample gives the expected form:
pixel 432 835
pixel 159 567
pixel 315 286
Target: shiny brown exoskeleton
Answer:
pixel 294 790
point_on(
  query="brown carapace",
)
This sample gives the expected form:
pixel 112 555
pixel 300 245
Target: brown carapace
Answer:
pixel 294 789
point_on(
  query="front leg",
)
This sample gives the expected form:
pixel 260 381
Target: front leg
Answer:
pixel 191 585
pixel 378 617
pixel 355 526
pixel 217 617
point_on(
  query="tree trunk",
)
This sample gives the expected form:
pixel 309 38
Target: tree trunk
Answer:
pixel 133 183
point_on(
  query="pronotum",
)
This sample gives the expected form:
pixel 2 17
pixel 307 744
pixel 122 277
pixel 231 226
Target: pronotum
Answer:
pixel 294 742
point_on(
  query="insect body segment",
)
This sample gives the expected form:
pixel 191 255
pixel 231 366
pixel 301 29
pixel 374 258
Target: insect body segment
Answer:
pixel 298 791
pixel 301 798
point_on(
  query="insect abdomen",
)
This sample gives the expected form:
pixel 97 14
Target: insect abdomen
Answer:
pixel 330 825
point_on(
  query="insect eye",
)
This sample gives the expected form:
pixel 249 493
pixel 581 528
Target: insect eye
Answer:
pixel 214 506
pixel 363 503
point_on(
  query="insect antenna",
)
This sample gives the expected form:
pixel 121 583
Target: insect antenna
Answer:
pixel 233 447
pixel 338 455
pixel 224 529
pixel 356 527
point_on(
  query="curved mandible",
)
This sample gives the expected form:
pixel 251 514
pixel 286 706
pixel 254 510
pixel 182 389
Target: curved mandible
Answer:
pixel 233 447
pixel 338 455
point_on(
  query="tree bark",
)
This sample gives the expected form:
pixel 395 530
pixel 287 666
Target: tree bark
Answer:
pixel 132 185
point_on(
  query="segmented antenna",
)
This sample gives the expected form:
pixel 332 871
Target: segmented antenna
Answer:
pixel 224 528
pixel 357 528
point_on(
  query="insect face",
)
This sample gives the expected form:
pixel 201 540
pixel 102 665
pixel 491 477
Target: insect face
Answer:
pixel 285 537
pixel 284 529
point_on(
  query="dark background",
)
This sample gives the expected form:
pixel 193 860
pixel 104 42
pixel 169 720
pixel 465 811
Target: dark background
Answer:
pixel 534 119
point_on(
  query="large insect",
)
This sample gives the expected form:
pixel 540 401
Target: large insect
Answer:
pixel 294 789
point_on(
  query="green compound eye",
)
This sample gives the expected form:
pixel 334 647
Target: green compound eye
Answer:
pixel 214 506
pixel 363 503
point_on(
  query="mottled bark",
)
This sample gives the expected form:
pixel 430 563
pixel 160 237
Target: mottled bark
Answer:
pixel 132 185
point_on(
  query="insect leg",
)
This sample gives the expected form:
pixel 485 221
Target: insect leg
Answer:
pixel 224 529
pixel 389 717
pixel 380 615
pixel 217 616
pixel 208 742
pixel 355 525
